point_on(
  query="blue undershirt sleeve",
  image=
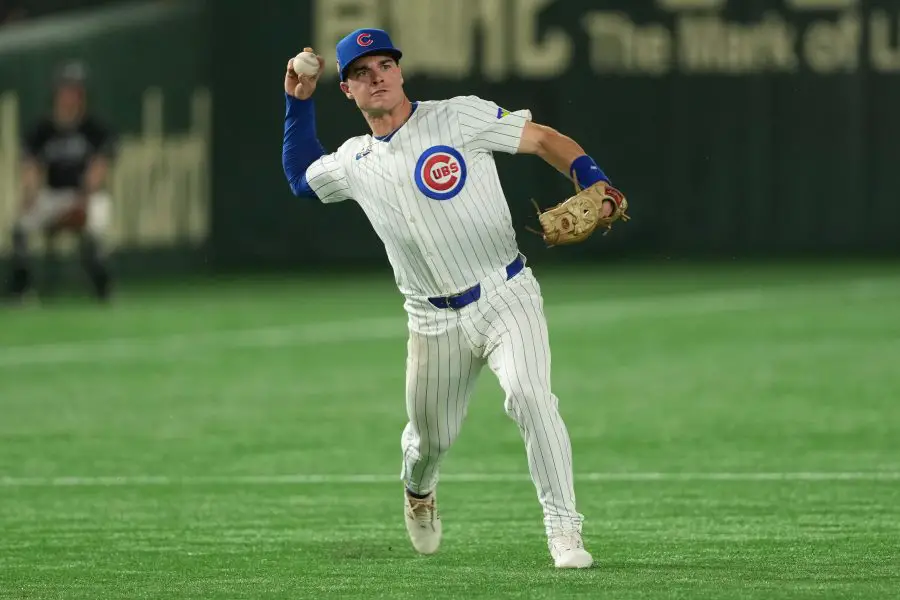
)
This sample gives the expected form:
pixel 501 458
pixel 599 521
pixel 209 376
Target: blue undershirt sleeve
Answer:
pixel 300 147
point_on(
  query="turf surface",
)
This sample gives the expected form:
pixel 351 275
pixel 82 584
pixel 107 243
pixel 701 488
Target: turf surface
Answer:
pixel 736 435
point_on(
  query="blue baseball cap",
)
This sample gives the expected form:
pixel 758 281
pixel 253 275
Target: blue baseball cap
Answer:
pixel 364 42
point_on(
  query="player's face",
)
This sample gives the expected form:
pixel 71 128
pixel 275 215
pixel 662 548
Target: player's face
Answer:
pixel 375 83
pixel 69 102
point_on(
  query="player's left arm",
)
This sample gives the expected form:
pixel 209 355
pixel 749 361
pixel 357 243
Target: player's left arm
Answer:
pixel 565 155
pixel 33 171
pixel 96 174
pixel 562 153
pixel 488 127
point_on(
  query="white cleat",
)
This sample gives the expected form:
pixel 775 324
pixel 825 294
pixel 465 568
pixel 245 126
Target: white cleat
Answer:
pixel 423 522
pixel 568 551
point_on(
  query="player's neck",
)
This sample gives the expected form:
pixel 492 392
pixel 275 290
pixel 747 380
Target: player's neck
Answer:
pixel 383 124
pixel 67 120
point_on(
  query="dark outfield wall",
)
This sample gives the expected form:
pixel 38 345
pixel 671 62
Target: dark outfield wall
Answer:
pixel 736 127
pixel 744 127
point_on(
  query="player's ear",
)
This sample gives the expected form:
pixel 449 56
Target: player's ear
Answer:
pixel 346 89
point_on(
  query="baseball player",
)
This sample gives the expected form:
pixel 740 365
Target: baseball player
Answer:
pixel 64 171
pixel 426 179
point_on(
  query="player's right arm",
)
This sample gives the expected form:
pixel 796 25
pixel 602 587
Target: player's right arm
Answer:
pixel 309 170
pixel 96 175
pixel 32 167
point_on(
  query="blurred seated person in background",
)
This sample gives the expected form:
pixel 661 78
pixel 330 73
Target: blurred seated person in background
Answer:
pixel 66 158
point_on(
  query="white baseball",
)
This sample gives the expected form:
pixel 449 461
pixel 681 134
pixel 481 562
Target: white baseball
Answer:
pixel 306 63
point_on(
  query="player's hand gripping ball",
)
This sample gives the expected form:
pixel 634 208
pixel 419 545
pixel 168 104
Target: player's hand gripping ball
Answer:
pixel 575 219
pixel 306 63
pixel 302 74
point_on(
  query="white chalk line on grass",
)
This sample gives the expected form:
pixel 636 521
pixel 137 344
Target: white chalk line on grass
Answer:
pixel 564 316
pixel 334 478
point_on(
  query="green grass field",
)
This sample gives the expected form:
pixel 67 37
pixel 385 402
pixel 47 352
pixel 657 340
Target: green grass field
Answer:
pixel 736 432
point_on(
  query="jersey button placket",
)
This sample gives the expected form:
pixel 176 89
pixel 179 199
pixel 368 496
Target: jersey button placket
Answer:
pixel 424 243
pixel 428 254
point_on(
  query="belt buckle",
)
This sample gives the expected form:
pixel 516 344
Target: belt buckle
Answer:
pixel 447 301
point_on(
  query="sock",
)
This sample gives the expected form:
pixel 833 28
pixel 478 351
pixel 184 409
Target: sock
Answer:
pixel 96 268
pixel 19 281
pixel 20 278
pixel 100 280
pixel 417 496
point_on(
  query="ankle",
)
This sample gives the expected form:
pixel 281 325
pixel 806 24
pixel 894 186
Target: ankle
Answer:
pixel 417 496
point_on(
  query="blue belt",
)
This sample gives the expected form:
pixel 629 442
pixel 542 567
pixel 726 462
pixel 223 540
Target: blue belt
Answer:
pixel 457 301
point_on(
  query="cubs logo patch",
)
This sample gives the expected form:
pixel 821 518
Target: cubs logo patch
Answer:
pixel 501 112
pixel 440 172
pixel 364 39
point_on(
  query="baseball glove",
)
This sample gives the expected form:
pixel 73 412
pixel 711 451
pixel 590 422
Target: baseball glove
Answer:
pixel 73 219
pixel 575 219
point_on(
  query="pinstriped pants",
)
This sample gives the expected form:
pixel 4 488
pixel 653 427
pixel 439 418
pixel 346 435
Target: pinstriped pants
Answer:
pixel 507 331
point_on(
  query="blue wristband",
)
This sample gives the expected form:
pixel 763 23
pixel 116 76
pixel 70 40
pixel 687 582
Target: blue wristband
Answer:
pixel 586 172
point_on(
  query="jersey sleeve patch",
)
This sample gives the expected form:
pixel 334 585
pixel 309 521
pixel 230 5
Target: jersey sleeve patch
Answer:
pixel 488 126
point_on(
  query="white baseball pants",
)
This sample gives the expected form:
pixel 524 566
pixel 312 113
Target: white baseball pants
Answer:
pixel 507 330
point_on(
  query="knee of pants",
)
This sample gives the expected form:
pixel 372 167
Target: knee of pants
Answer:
pixel 442 444
pixel 19 240
pixel 26 224
pixel 434 444
pixel 19 232
pixel 524 401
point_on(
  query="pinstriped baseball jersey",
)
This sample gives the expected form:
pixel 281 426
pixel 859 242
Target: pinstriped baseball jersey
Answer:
pixel 431 192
